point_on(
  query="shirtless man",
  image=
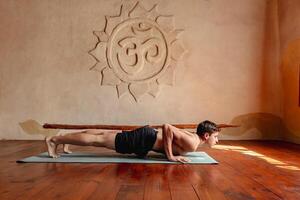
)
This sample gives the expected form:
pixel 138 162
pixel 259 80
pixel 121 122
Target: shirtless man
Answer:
pixel 172 142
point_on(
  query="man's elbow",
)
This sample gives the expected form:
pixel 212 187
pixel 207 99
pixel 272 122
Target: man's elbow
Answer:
pixel 166 126
pixel 166 129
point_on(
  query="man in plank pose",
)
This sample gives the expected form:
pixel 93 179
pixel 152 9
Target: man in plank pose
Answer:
pixel 172 141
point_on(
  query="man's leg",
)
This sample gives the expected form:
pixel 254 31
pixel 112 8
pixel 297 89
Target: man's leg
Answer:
pixel 90 131
pixel 84 138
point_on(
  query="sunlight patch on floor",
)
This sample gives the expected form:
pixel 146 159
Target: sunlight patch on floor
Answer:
pixel 246 151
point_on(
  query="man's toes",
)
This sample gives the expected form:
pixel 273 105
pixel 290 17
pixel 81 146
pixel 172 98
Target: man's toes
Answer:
pixel 56 156
pixel 67 151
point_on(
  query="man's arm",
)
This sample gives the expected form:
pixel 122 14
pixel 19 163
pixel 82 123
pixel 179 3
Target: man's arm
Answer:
pixel 168 137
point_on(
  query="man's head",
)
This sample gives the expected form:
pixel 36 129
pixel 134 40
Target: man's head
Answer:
pixel 208 132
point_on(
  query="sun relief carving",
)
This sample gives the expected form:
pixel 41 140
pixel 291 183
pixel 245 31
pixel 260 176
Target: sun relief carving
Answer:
pixel 137 51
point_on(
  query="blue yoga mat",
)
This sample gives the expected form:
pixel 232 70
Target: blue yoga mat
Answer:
pixel 80 157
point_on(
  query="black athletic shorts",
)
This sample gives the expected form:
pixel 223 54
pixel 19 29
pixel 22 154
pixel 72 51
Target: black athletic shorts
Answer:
pixel 138 141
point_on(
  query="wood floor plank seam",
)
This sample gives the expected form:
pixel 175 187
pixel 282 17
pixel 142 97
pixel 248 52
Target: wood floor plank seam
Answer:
pixel 248 176
pixel 266 180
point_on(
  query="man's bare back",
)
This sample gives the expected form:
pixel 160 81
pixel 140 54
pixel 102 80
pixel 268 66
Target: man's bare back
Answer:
pixel 187 142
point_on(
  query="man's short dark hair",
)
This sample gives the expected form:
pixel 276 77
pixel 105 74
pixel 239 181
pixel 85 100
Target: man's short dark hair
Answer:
pixel 207 127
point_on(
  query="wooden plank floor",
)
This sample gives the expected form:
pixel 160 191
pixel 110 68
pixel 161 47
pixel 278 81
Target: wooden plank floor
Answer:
pixel 246 170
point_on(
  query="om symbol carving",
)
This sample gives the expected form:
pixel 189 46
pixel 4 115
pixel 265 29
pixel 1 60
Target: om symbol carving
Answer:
pixel 137 51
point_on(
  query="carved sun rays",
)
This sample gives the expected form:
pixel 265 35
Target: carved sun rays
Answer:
pixel 137 51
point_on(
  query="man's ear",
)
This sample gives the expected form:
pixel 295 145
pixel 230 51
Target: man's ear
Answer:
pixel 206 136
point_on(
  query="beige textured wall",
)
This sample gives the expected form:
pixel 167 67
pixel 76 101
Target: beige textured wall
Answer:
pixel 227 74
pixel 289 18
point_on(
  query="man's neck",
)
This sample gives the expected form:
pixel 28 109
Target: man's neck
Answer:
pixel 201 141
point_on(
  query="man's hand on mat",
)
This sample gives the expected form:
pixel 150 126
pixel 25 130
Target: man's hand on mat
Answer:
pixel 180 159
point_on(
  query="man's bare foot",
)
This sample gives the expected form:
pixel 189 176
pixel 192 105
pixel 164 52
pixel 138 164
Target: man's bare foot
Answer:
pixel 51 147
pixel 66 149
